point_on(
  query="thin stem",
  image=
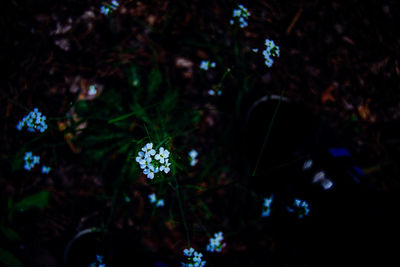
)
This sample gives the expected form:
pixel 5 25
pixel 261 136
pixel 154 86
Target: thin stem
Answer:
pixel 181 211
pixel 267 135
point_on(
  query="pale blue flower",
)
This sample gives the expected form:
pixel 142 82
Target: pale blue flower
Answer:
pixel 241 14
pixel 196 260
pixel 307 164
pixel 205 65
pixel 152 198
pixel 45 169
pixel 193 157
pixel 160 203
pixel 107 8
pixel 92 90
pixel 216 244
pixel 270 51
pixel 267 206
pixel 188 252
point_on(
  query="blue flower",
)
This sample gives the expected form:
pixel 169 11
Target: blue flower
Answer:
pixel 216 243
pixel 194 261
pixel 193 157
pixel 270 51
pixel 160 203
pixel 267 206
pixel 107 8
pixel 45 169
pixel 34 121
pixel 30 160
pixel 152 165
pixel 241 14
pixel 300 207
pixel 205 65
pixel 152 198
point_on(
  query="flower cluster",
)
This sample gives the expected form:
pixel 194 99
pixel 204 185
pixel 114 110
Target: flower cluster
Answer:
pixel 270 50
pixel 151 162
pixel 193 157
pixel 34 121
pixel 153 199
pixel 107 8
pixel 99 262
pixel 242 14
pixel 216 243
pixel 45 169
pixel 30 160
pixel 300 207
pixel 193 258
pixel 267 206
pixel 205 65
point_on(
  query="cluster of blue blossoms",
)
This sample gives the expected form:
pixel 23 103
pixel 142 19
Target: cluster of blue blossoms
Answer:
pixel 300 207
pixel 193 258
pixel 30 160
pixel 216 243
pixel 34 121
pixel 107 8
pixel 242 14
pixel 270 51
pixel 205 65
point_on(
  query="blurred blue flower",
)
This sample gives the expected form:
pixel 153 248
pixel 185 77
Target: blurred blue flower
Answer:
pixel 216 244
pixel 267 206
pixel 195 261
pixel 205 65
pixel 106 8
pixel 45 169
pixel 241 14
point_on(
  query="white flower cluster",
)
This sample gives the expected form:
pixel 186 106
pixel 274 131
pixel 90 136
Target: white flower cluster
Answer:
pixel 151 162
pixel 270 50
pixel 193 258
pixel 216 243
pixel 193 157
pixel 153 199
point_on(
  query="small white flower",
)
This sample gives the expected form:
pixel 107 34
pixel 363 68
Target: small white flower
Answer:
pixel 148 149
pixel 162 155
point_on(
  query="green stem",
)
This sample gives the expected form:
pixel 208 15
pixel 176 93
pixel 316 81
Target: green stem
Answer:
pixel 267 135
pixel 181 211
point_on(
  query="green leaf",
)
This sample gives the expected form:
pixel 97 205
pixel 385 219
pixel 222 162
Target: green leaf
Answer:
pixel 8 259
pixel 38 200
pixel 154 81
pixel 9 233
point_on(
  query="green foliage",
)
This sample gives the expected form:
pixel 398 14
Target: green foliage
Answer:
pixel 8 259
pixel 154 81
pixel 9 233
pixel 39 200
